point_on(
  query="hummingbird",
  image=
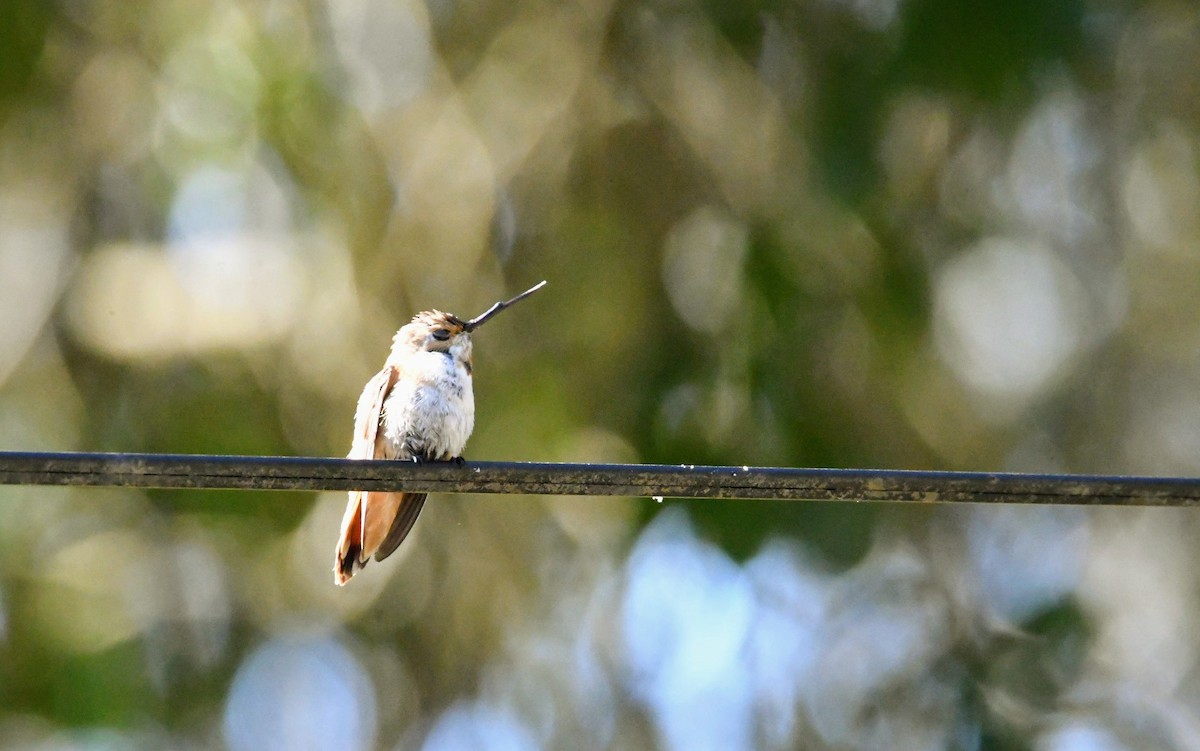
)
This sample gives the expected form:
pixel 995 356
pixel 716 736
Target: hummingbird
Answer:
pixel 419 408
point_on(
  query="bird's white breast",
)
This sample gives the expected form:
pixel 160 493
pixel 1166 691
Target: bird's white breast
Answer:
pixel 430 411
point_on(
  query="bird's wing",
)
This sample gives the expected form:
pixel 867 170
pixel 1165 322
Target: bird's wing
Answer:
pixel 409 505
pixel 369 514
pixel 368 416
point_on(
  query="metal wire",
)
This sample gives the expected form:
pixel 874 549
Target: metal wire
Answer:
pixel 679 481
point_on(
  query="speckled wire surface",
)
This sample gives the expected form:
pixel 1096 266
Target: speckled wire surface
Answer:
pixel 679 481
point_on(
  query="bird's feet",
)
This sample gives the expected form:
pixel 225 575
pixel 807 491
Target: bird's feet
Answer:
pixel 458 461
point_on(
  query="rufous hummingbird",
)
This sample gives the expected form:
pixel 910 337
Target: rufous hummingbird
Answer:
pixel 420 407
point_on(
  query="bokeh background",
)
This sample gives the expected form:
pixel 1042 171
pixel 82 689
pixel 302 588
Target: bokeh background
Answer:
pixel 850 233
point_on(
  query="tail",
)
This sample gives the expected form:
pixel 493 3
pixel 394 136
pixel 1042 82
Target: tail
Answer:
pixel 374 524
pixel 406 517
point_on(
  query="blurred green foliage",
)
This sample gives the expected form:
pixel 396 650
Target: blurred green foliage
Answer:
pixel 923 234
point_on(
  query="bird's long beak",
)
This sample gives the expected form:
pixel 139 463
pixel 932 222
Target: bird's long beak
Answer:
pixel 483 317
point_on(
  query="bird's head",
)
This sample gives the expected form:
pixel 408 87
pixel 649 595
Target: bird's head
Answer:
pixel 435 331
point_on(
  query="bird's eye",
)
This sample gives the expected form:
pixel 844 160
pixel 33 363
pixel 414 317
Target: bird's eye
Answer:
pixel 441 334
